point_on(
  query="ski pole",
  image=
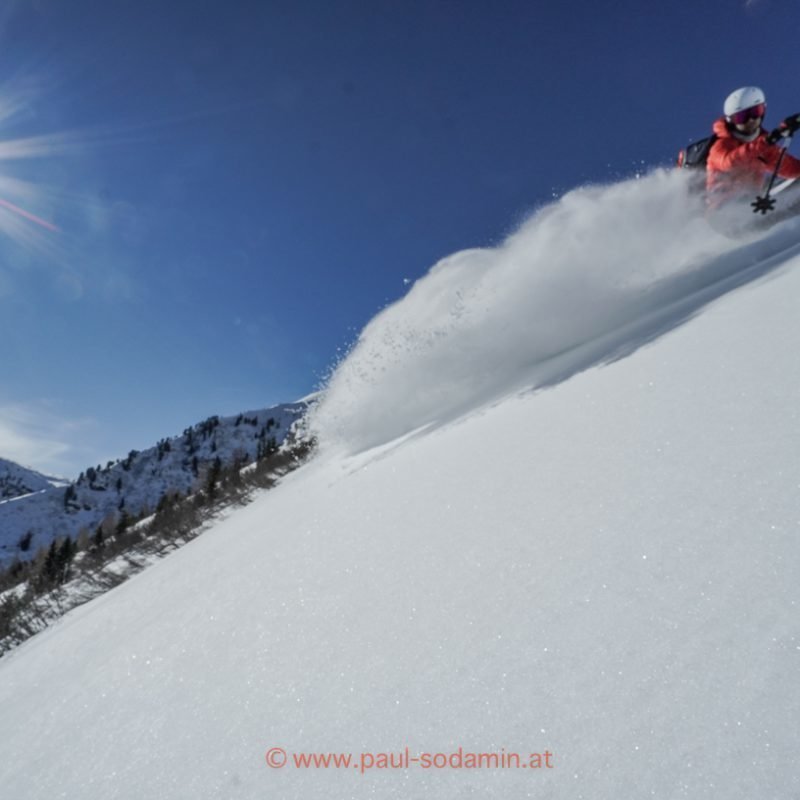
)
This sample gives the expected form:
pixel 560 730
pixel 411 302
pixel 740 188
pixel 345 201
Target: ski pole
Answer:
pixel 767 203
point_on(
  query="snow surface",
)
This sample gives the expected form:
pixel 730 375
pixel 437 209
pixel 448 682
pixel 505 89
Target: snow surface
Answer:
pixel 605 569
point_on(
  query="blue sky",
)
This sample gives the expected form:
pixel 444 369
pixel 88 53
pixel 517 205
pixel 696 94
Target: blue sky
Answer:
pixel 239 187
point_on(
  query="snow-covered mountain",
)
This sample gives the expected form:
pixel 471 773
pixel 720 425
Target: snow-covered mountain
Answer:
pixel 134 485
pixel 554 512
pixel 16 481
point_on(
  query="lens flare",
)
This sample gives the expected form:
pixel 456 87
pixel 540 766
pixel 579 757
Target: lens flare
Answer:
pixel 18 197
pixel 27 214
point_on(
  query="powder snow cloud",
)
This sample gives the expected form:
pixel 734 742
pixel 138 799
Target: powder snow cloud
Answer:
pixel 582 279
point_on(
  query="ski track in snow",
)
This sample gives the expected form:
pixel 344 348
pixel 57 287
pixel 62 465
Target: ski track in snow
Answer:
pixel 587 280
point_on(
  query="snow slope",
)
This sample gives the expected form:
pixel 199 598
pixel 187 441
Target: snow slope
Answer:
pixel 605 569
pixel 17 481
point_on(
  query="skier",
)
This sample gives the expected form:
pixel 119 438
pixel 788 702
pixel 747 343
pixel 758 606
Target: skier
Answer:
pixel 744 152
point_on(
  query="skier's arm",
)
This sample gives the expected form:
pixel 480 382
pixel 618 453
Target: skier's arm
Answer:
pixel 790 167
pixel 728 154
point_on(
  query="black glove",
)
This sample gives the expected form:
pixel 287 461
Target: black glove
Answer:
pixel 792 123
pixel 787 128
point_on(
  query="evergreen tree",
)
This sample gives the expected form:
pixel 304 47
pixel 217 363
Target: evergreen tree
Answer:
pixel 64 556
pixel 98 540
pixel 212 479
pixel 70 496
pixel 49 570
pixel 123 523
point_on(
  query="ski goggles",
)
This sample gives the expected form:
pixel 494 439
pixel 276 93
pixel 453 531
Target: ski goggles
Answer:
pixel 745 115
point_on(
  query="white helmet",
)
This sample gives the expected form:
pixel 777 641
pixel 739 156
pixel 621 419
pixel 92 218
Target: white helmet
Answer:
pixel 742 99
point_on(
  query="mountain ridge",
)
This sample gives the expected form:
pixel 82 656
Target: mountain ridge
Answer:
pixel 133 486
pixel 17 480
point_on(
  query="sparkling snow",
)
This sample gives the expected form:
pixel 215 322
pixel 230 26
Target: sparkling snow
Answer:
pixel 604 569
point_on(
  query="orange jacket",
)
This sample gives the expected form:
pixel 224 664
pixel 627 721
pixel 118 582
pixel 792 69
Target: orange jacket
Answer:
pixel 735 167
